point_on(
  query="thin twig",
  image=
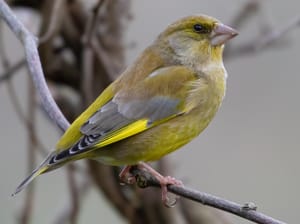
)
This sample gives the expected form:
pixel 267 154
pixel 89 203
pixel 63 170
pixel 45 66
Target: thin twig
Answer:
pixel 88 53
pixel 248 10
pixel 92 43
pixel 16 104
pixel 268 39
pixel 12 70
pixel 55 18
pixel 88 71
pixel 3 55
pixel 34 65
pixel 65 213
pixel 276 34
pixel 103 179
pixel 29 199
pixel 103 57
pixel 145 179
pixel 90 27
pixel 74 195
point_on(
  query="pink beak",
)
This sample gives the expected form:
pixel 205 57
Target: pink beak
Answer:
pixel 221 34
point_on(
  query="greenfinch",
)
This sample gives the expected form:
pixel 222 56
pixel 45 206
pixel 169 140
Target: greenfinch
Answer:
pixel 161 102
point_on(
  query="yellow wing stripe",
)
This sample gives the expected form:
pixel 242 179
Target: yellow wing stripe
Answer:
pixel 73 134
pixel 129 130
pixel 125 132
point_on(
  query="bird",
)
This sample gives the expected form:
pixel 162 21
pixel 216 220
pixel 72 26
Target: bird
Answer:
pixel 162 101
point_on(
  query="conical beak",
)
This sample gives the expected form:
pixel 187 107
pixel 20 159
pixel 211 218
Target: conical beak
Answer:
pixel 221 34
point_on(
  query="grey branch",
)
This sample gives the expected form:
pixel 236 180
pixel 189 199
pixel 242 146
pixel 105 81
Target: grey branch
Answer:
pixel 66 211
pixel 267 39
pixel 12 70
pixel 34 64
pixel 144 179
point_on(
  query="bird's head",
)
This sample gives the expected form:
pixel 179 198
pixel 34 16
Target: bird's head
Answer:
pixel 195 39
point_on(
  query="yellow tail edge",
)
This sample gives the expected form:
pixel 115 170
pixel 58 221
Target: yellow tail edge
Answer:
pixel 42 168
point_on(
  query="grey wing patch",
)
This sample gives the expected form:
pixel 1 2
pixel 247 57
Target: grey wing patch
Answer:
pixel 117 114
pixel 105 120
pixel 154 109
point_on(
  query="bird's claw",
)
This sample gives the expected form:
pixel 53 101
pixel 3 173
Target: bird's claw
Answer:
pixel 164 182
pixel 128 178
pixel 168 203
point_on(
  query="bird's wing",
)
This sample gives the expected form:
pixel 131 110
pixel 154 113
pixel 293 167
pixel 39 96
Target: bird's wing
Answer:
pixel 159 97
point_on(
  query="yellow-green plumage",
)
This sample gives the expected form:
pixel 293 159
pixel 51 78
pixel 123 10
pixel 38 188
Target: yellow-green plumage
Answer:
pixel 203 97
pixel 161 102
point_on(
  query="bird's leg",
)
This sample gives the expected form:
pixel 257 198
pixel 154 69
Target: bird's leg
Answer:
pixel 125 175
pixel 164 182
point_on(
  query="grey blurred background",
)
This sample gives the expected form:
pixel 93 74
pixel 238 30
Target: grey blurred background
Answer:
pixel 250 151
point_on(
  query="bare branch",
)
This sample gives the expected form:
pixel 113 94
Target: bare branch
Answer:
pixel 276 34
pixel 4 59
pixel 34 65
pixel 16 104
pixel 88 53
pixel 88 71
pixel 65 213
pixel 262 42
pixel 55 18
pixel 92 45
pixel 92 22
pixel 247 10
pixel 27 210
pixel 74 209
pixel 103 57
pixel 110 188
pixel 145 179
pixel 12 70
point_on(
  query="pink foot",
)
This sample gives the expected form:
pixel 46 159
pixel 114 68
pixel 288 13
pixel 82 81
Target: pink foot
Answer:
pixel 127 177
pixel 164 182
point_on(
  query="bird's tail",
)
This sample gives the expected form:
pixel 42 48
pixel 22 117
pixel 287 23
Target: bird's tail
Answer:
pixel 42 168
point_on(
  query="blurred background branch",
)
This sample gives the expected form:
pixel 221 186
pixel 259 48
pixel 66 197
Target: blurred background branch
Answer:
pixel 81 51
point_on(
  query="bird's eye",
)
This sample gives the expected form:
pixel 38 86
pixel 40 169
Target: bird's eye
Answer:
pixel 198 28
